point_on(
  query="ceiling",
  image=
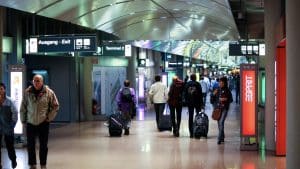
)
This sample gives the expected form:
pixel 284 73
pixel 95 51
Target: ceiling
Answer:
pixel 142 19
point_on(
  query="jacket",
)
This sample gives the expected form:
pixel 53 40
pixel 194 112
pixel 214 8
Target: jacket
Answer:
pixel 8 116
pixel 126 106
pixel 195 100
pixel 175 93
pixel 158 93
pixel 222 93
pixel 36 109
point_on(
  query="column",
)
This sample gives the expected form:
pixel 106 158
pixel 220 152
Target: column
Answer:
pixel 1 39
pixel 272 17
pixel 131 68
pixel 293 83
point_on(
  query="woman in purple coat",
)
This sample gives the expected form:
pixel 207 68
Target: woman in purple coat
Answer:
pixel 126 103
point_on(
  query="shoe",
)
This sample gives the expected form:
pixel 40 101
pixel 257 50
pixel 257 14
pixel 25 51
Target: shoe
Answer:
pixel 43 167
pixel 126 132
pixel 219 142
pixel 13 164
pixel 191 136
pixel 106 124
pixel 32 167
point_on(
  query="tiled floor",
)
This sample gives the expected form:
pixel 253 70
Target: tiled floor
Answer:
pixel 87 145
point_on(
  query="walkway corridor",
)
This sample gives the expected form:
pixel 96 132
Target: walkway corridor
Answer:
pixel 87 145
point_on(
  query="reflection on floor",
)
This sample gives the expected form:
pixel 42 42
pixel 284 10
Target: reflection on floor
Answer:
pixel 87 145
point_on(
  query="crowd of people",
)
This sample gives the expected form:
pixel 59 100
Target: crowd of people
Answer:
pixel 192 94
pixel 40 105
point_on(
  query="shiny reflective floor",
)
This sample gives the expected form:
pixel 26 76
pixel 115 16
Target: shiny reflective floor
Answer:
pixel 87 145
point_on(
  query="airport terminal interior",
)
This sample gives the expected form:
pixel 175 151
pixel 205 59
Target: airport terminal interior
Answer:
pixel 86 50
pixel 88 145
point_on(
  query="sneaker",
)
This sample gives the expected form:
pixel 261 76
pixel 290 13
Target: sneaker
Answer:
pixel 13 164
pixel 32 167
pixel 106 124
pixel 43 167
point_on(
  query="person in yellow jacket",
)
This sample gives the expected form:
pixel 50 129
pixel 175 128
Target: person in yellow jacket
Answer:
pixel 38 108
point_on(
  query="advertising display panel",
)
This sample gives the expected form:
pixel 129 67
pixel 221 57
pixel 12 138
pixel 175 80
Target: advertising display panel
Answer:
pixel 16 91
pixel 248 100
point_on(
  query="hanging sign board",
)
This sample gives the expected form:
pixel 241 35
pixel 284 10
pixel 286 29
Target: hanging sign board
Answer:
pixel 65 43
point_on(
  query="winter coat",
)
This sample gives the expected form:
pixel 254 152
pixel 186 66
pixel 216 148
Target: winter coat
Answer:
pixel 175 93
pixel 37 109
pixel 158 93
pixel 8 116
pixel 126 106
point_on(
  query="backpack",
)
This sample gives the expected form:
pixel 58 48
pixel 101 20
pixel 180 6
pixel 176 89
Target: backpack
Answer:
pixel 126 95
pixel 192 91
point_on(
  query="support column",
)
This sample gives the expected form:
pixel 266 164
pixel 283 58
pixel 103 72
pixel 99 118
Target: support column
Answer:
pixel 272 18
pixel 1 39
pixel 293 83
pixel 131 68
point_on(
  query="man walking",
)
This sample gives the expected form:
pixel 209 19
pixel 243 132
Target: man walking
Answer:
pixel 38 108
pixel 8 120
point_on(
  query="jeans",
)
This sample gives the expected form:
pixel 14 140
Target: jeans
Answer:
pixel 191 109
pixel 41 131
pixel 159 109
pixel 204 98
pixel 221 122
pixel 9 141
pixel 175 112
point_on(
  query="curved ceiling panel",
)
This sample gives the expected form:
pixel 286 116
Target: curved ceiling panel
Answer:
pixel 141 19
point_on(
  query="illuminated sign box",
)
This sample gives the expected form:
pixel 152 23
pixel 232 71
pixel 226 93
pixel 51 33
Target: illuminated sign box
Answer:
pixel 16 91
pixel 66 43
pixel 248 100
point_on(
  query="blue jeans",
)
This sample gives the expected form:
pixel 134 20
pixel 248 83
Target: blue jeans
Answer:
pixel 221 122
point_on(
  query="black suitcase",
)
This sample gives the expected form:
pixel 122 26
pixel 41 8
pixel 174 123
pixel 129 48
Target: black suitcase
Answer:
pixel 115 125
pixel 164 121
pixel 201 124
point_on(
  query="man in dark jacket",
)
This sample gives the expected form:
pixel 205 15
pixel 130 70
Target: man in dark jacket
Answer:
pixel 193 98
pixel 8 120
pixel 175 103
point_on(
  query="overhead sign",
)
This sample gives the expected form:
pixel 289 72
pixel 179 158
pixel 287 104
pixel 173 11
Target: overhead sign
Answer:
pixel 246 49
pixel 110 50
pixel 248 100
pixel 67 43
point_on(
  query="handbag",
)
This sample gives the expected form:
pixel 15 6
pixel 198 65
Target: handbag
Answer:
pixel 216 114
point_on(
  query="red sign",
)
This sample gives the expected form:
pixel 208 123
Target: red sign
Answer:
pixel 248 99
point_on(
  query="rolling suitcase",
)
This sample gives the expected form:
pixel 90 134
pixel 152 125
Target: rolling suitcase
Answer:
pixel 115 125
pixel 164 122
pixel 201 123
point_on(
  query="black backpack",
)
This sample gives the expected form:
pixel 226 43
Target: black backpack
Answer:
pixel 126 95
pixel 192 91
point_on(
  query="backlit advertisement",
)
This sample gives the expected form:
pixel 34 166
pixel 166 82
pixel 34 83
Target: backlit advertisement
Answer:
pixel 248 100
pixel 16 95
